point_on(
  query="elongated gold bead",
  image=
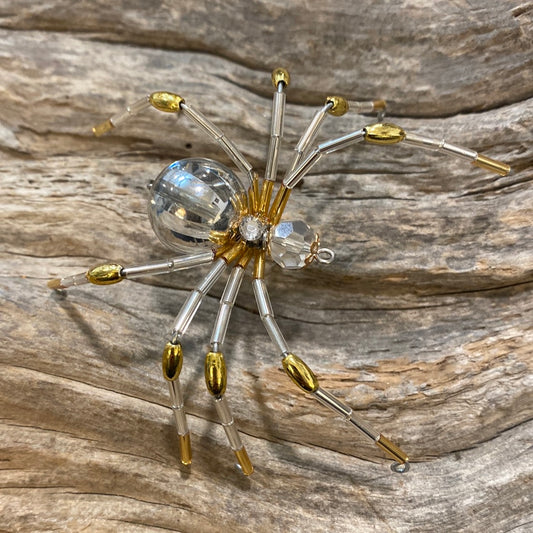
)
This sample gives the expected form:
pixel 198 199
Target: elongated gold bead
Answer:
pixel 382 133
pixel 166 102
pixel 105 274
pixel 300 373
pixel 215 373
pixel 172 361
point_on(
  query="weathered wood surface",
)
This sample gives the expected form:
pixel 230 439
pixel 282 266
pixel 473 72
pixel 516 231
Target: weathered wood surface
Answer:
pixel 423 322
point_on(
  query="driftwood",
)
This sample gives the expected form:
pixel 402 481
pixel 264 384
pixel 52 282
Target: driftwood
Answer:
pixel 422 323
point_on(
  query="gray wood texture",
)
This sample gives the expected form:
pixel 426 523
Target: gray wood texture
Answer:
pixel 423 323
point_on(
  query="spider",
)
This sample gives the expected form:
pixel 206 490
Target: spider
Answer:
pixel 211 215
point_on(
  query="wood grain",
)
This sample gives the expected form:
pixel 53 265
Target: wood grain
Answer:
pixel 423 323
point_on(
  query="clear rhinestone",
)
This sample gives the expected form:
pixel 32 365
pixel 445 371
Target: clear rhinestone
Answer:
pixel 290 244
pixel 252 229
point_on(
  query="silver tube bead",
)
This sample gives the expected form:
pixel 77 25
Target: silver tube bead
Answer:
pixel 131 110
pixel 227 301
pixel 276 132
pixel 422 142
pixel 272 159
pixel 267 315
pixel 440 146
pixel 236 155
pixel 363 427
pixel 218 136
pixel 275 334
pixel 74 280
pixel 278 108
pixel 158 267
pixel 327 399
pixel 191 305
pixel 186 314
pixel 170 265
pixel 464 153
pixel 228 423
pixel 261 296
pixel 233 285
pixel 221 326
pixel 218 268
pixel 177 407
pixel 333 145
pixel 312 130
pixel 293 178
pixel 176 396
pixel 361 107
pixel 202 121
pixel 223 411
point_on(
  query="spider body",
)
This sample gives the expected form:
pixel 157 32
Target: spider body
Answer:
pixel 211 215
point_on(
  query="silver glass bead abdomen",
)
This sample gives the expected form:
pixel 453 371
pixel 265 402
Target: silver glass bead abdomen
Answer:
pixel 191 199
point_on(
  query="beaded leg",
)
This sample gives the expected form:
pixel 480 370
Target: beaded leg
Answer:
pixel 306 380
pixel 215 367
pixel 173 354
pixel 109 273
pixel 172 103
pixel 381 133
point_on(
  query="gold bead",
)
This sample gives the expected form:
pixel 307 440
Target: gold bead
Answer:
pixel 244 461
pixel 105 274
pixel 215 373
pixel 102 128
pixel 381 133
pixel 280 74
pixel 379 105
pixel 392 450
pixel 340 105
pixel 172 361
pixel 185 449
pixel 300 373
pixel 493 165
pixel 166 102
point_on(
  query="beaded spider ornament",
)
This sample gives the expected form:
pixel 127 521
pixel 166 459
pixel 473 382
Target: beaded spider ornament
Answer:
pixel 210 215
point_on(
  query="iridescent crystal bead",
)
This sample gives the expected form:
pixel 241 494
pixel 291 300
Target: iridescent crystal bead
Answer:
pixel 291 244
pixel 191 201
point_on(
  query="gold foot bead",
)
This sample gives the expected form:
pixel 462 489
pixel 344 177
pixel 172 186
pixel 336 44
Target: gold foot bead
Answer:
pixel 172 361
pixel 244 461
pixel 381 133
pixel 102 128
pixel 493 165
pixel 166 102
pixel 105 274
pixel 185 449
pixel 392 450
pixel 55 284
pixel 300 373
pixel 215 373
